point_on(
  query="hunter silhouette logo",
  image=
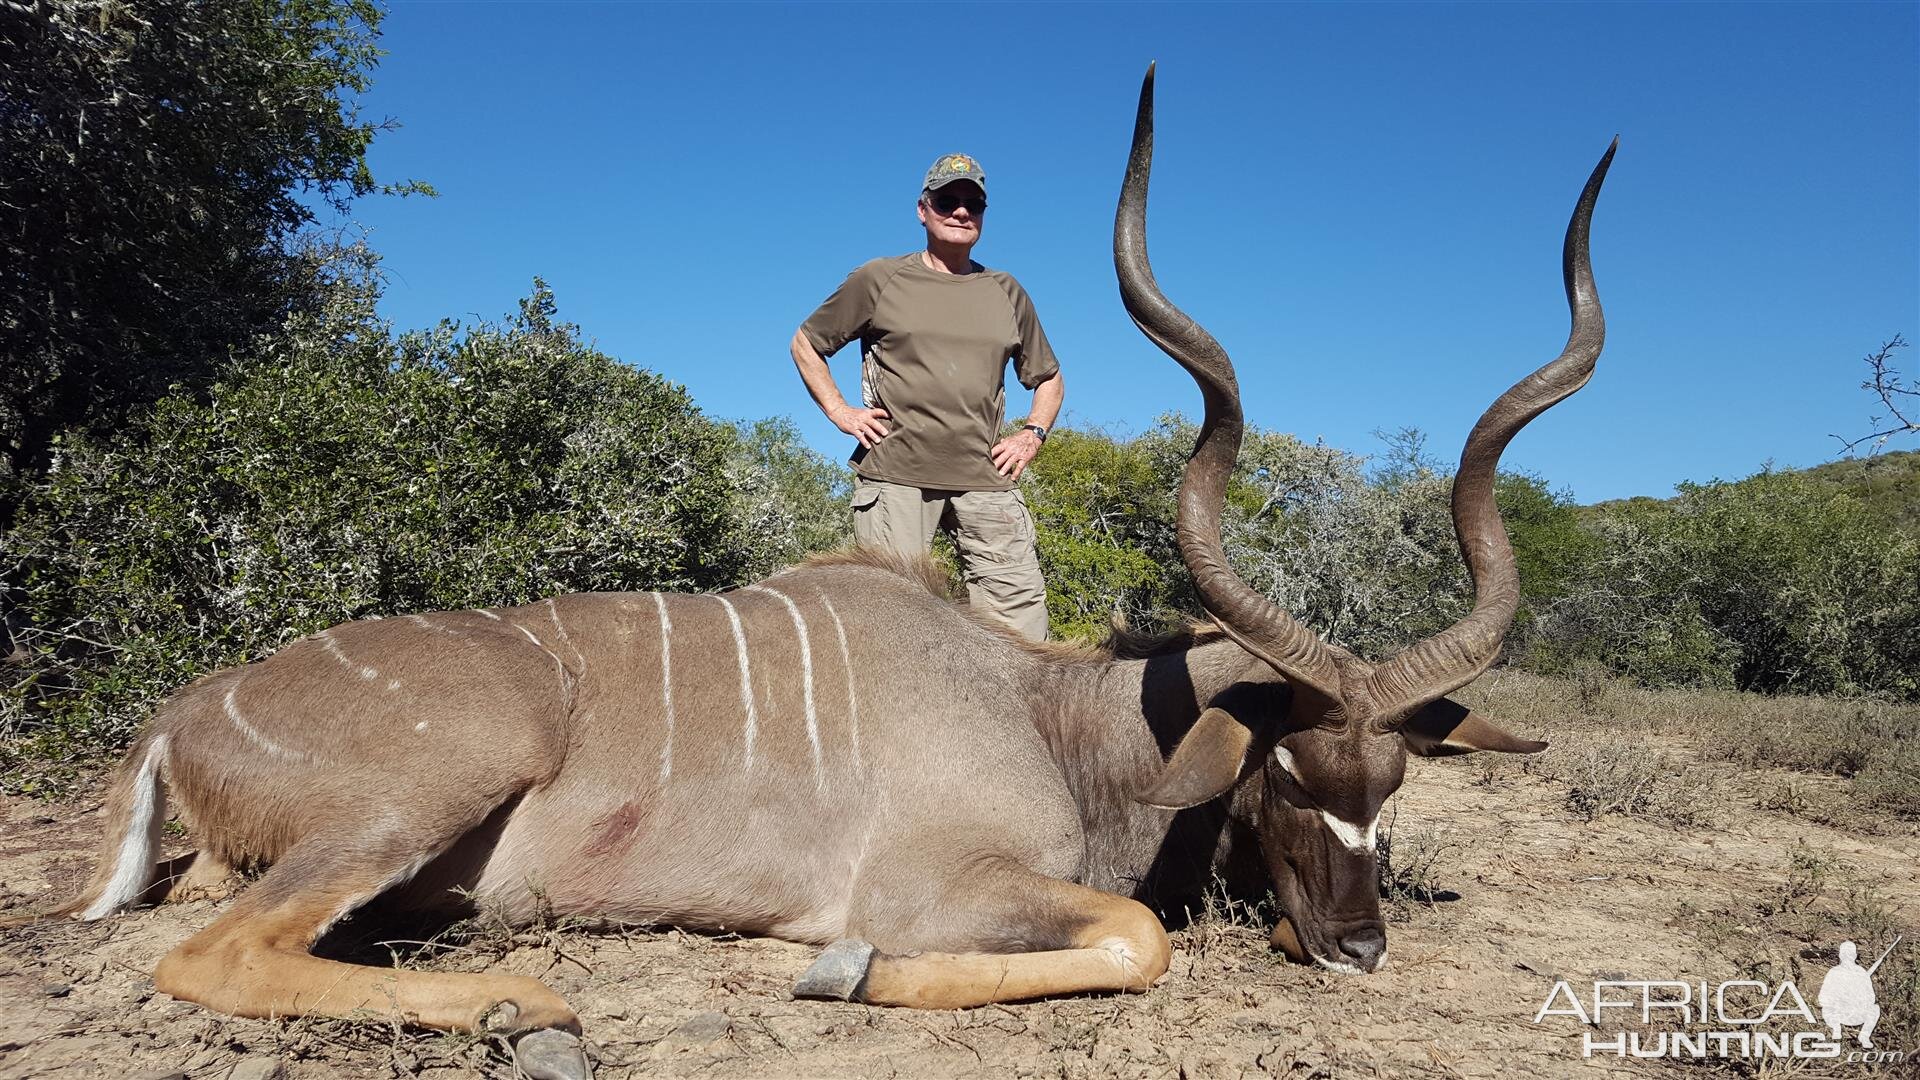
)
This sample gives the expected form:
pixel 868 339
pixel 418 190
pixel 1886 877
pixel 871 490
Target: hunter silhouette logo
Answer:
pixel 1736 1019
pixel 1846 994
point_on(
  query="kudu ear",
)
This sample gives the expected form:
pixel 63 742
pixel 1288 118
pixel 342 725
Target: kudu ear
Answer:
pixel 1213 756
pixel 1444 728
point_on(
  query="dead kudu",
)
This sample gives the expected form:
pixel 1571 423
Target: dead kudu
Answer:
pixel 836 755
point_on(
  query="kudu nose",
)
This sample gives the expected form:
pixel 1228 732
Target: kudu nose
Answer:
pixel 1366 947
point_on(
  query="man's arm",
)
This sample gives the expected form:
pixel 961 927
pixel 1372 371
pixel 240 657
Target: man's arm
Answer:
pixel 1011 454
pixel 867 425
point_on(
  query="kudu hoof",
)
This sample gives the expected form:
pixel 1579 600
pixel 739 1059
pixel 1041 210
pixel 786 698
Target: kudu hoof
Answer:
pixel 551 1054
pixel 838 973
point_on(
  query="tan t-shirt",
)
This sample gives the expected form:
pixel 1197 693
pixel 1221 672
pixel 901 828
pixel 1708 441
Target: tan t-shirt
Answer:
pixel 934 349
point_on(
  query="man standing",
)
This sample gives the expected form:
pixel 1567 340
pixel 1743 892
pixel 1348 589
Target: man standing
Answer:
pixel 936 331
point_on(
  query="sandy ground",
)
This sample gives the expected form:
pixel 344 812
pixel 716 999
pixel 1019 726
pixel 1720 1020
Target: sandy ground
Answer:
pixel 1526 893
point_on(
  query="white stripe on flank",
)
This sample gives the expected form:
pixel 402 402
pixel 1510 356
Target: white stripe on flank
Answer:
pixel 346 661
pixel 666 684
pixel 853 705
pixel 422 620
pixel 554 614
pixel 488 614
pixel 255 735
pixel 806 680
pixel 141 844
pixel 1351 836
pixel 746 677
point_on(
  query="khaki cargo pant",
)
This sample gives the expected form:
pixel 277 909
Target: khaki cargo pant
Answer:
pixel 991 529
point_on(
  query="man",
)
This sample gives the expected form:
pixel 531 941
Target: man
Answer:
pixel 936 331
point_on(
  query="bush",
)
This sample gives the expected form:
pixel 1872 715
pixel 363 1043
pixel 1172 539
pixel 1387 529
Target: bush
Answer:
pixel 342 474
pixel 791 500
pixel 1103 517
pixel 164 161
pixel 1775 583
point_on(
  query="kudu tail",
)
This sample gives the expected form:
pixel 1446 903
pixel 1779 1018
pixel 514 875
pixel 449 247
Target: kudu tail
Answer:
pixel 136 811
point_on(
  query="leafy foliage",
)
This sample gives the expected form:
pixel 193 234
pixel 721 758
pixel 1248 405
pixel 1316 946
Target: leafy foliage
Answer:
pixel 1103 517
pixel 159 158
pixel 343 474
pixel 1774 583
pixel 789 499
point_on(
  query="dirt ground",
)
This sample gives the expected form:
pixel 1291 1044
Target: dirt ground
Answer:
pixel 1512 891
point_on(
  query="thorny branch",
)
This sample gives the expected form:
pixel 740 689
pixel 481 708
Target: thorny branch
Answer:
pixel 1894 392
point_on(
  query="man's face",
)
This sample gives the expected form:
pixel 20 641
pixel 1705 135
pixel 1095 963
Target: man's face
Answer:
pixel 953 213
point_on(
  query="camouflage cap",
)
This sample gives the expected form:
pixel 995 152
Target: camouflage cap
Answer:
pixel 950 167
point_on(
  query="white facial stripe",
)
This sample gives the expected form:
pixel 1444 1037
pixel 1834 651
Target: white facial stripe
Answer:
pixel 806 679
pixel 1351 836
pixel 746 678
pixel 846 662
pixel 666 684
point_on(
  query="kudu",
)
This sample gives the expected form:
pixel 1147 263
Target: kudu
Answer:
pixel 835 755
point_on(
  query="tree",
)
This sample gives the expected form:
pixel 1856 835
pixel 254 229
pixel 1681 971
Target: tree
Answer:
pixel 160 161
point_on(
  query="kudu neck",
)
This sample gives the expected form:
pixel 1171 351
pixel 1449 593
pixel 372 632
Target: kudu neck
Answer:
pixel 1110 727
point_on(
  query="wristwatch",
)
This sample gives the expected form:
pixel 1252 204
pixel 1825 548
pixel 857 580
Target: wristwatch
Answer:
pixel 1038 431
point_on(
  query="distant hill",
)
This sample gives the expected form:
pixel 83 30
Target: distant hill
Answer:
pixel 1887 483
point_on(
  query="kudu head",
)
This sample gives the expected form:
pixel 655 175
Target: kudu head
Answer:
pixel 1330 756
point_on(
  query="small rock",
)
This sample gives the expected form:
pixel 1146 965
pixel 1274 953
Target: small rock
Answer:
pixel 704 1027
pixel 163 1074
pixel 259 1068
pixel 56 990
pixel 1538 968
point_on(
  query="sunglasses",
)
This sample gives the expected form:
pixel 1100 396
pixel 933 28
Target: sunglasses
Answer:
pixel 947 203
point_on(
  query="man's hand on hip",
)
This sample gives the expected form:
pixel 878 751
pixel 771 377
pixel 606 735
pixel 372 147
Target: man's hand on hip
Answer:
pixel 1011 454
pixel 867 425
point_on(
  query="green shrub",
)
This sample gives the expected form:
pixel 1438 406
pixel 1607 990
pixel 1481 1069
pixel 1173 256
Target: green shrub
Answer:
pixel 1775 583
pixel 1103 518
pixel 791 500
pixel 341 474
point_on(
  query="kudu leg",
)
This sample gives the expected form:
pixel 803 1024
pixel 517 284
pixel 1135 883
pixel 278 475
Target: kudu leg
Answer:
pixel 197 875
pixel 254 960
pixel 1115 944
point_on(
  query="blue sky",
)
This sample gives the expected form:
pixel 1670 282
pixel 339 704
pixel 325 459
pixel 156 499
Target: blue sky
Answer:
pixel 1363 202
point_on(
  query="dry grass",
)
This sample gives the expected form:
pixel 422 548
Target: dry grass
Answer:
pixel 1413 860
pixel 1688 758
pixel 1623 749
pixel 1794 930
